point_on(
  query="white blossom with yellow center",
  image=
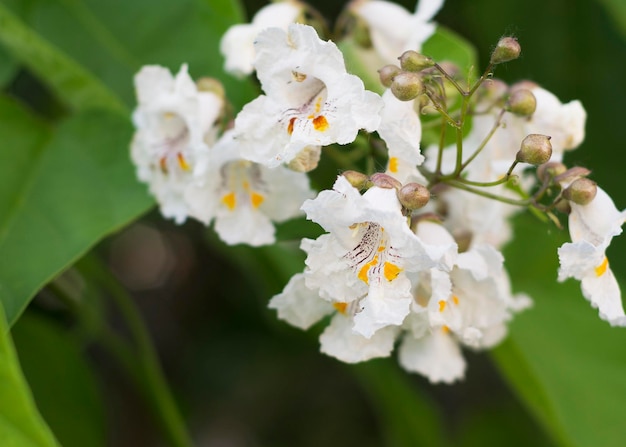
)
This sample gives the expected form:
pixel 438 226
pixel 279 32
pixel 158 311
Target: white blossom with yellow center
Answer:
pixel 591 229
pixel 243 197
pixel 175 124
pixel 310 99
pixel 366 254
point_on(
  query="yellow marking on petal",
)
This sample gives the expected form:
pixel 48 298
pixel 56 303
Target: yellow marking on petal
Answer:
pixel 298 77
pixel 169 115
pixel 230 200
pixel 163 164
pixel 246 185
pixel 393 164
pixel 365 270
pixel 290 126
pixel 341 307
pixel 320 123
pixel 256 199
pixel 381 248
pixel 182 162
pixel 442 305
pixel 601 269
pixel 445 329
pixel 391 271
pixel 455 299
pixel 318 104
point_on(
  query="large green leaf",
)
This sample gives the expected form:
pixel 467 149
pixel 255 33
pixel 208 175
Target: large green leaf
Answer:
pixel 65 390
pixel 8 67
pixel 567 364
pixel 446 45
pixel 72 83
pixel 20 423
pixel 59 197
pixel 617 12
pixel 113 39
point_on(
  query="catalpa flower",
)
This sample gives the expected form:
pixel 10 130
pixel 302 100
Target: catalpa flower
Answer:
pixel 302 307
pixel 468 306
pixel 244 198
pixel 237 44
pixel 366 254
pixel 175 124
pixel 393 29
pixel 310 99
pixel 591 229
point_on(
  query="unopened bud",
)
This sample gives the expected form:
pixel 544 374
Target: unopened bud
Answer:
pixel 536 149
pixel 413 196
pixel 581 191
pixel 572 174
pixel 414 61
pixel 385 181
pixel 361 35
pixel 550 170
pixel 210 85
pixel 306 160
pixel 563 206
pixel 387 73
pixel 492 89
pixel 506 50
pixel 522 102
pixel 356 179
pixel 406 86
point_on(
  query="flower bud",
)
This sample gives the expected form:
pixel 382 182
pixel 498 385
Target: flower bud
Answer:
pixel 414 61
pixel 413 196
pixel 211 85
pixel 581 191
pixel 536 149
pixel 572 174
pixel 406 86
pixel 563 206
pixel 356 179
pixel 507 49
pixel 387 73
pixel 306 160
pixel 492 89
pixel 522 102
pixel 550 170
pixel 385 181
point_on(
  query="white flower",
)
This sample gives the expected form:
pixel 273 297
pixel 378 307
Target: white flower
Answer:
pixel 366 254
pixel 302 307
pixel 244 197
pixel 393 29
pixel 310 98
pixel 467 306
pixel 174 122
pixel 237 44
pixel 401 129
pixel 592 228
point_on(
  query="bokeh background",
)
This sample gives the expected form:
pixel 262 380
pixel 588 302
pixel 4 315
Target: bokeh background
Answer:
pixel 245 379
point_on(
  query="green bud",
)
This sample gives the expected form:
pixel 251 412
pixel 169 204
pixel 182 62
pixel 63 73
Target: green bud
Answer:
pixel 522 102
pixel 535 149
pixel 507 49
pixel 406 86
pixel 413 196
pixel 581 191
pixel 356 179
pixel 563 206
pixel 414 61
pixel 385 181
pixel 550 170
pixel 387 73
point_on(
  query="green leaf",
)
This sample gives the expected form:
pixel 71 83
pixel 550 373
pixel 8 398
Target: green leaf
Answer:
pixel 20 423
pixel 114 38
pixel 362 62
pixel 617 13
pixel 65 390
pixel 8 67
pixel 566 363
pixel 73 85
pixel 446 45
pixel 59 195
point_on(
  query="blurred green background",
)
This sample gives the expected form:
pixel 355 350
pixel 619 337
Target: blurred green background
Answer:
pixel 243 378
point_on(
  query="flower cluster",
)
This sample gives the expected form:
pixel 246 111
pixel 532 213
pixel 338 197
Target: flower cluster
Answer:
pixel 410 256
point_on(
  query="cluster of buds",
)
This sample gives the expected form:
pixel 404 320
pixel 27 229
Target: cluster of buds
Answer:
pixel 405 81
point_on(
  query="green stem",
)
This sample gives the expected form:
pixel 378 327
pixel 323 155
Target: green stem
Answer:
pixel 500 181
pixel 442 140
pixel 482 145
pixel 144 367
pixel 450 79
pixel 460 185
